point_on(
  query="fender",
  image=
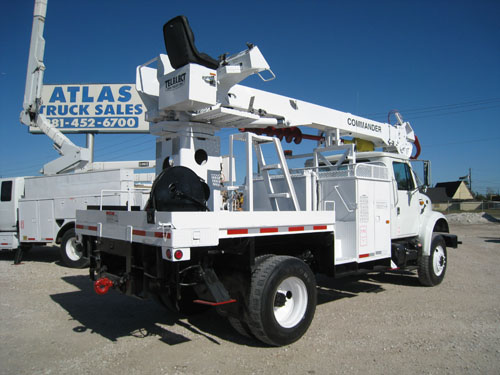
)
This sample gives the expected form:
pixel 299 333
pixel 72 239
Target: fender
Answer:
pixel 432 221
pixel 67 224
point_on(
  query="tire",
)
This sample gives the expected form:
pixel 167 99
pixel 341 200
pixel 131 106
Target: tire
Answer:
pixel 239 323
pixel 240 326
pixel 282 300
pixel 71 252
pixel 432 268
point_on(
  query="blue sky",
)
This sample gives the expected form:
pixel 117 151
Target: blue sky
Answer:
pixel 438 62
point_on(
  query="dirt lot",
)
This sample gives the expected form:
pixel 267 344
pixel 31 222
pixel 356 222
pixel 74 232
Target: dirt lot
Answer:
pixel 51 322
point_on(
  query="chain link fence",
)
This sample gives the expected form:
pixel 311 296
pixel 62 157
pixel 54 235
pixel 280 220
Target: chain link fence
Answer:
pixel 491 207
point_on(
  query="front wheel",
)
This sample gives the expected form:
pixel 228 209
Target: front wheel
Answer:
pixel 71 251
pixel 433 267
pixel 282 300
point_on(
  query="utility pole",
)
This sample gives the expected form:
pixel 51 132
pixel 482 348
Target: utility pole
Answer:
pixel 470 179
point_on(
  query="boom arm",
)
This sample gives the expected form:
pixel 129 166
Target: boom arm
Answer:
pixel 244 107
pixel 331 123
pixel 72 157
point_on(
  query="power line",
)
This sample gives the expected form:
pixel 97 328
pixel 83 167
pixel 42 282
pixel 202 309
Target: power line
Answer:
pixel 118 156
pixel 127 151
pixel 454 112
pixel 119 144
pixel 464 142
pixel 438 107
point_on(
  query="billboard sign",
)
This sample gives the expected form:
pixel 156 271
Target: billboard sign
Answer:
pixel 93 108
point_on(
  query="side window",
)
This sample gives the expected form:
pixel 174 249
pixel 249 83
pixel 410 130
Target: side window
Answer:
pixel 6 191
pixel 402 174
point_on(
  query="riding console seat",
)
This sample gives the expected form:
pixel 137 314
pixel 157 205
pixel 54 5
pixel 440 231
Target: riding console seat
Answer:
pixel 179 42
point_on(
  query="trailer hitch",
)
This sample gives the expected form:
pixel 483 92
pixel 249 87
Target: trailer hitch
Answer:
pixel 102 285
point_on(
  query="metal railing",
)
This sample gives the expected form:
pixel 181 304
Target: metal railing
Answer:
pixel 130 196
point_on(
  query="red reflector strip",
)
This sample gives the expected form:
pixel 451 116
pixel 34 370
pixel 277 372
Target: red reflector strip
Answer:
pixel 295 229
pixel 137 232
pixel 319 227
pixel 4 243
pixel 364 255
pixel 31 239
pixel 268 230
pixel 49 239
pixel 237 231
pixel 213 303
pixel 90 227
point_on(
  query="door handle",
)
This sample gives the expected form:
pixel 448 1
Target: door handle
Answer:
pixel 398 210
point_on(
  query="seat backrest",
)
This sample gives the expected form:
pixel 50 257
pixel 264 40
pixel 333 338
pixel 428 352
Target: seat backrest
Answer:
pixel 179 42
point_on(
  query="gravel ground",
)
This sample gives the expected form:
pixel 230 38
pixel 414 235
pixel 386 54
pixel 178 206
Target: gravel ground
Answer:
pixel 51 322
pixel 471 218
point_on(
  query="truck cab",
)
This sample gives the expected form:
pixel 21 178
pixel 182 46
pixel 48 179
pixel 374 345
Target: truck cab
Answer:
pixel 12 189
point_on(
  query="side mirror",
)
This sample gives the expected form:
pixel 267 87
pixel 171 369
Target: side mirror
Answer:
pixel 427 174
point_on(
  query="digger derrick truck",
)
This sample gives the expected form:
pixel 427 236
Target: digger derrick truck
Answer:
pixel 353 206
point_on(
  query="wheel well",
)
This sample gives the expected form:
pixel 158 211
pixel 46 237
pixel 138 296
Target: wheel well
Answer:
pixel 63 230
pixel 441 226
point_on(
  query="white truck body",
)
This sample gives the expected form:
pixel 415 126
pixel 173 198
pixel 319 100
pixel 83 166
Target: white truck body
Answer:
pixel 40 210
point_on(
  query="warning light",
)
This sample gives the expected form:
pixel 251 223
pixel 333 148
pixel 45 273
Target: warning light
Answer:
pixel 178 254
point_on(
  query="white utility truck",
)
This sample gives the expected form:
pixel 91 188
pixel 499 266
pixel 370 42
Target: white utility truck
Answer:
pixel 353 205
pixel 41 210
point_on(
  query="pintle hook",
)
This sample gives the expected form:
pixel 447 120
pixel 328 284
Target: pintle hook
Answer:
pixel 102 285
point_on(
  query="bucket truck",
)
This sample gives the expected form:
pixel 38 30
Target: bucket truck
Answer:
pixel 353 205
pixel 41 210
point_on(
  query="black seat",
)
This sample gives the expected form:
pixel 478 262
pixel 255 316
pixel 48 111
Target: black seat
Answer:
pixel 179 42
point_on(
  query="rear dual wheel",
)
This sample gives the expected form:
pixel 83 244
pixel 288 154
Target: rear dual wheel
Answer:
pixel 281 301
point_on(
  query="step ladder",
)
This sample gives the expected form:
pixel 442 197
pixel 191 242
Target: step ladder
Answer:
pixel 282 166
pixel 254 143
